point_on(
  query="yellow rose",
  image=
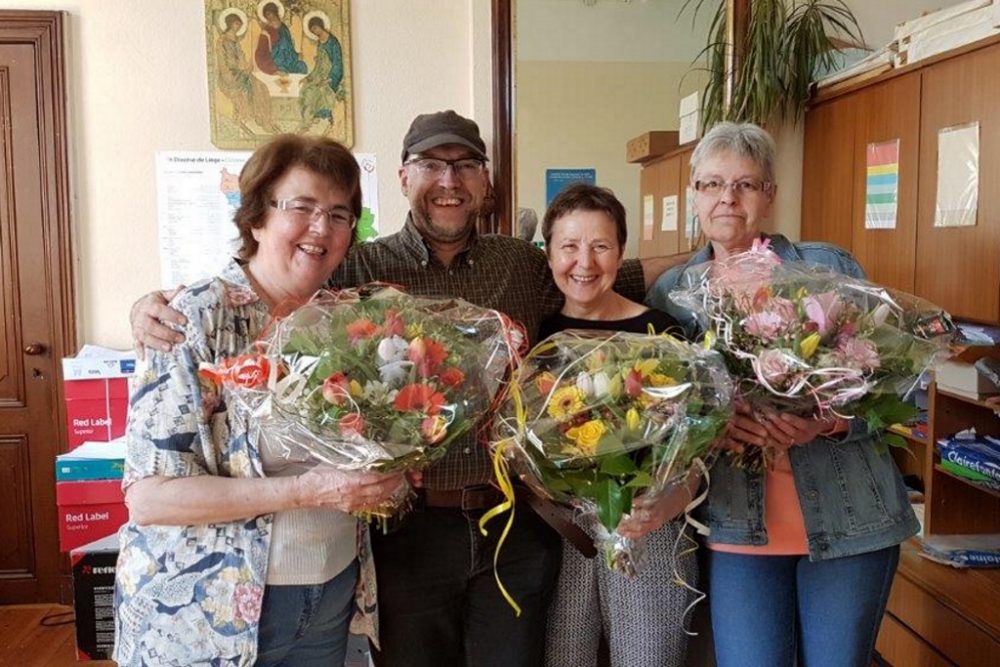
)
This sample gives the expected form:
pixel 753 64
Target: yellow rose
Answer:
pixel 587 435
pixel 565 403
pixel 357 391
pixel 661 380
pixel 809 344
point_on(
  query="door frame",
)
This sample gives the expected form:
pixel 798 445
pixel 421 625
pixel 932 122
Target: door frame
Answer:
pixel 44 31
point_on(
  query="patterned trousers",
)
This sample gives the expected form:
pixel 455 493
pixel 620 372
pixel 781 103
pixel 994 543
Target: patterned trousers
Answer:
pixel 642 619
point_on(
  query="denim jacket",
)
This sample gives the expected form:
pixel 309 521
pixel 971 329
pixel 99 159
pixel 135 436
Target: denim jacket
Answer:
pixel 852 497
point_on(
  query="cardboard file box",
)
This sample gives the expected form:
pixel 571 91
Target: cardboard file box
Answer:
pixel 89 510
pixel 650 145
pixel 96 393
pixel 93 598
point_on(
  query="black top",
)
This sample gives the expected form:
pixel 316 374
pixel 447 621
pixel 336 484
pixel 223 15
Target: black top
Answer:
pixel 639 324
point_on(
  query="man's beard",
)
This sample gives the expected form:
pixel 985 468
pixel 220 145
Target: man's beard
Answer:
pixel 442 233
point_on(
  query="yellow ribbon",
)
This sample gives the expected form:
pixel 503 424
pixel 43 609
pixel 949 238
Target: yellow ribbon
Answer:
pixel 507 488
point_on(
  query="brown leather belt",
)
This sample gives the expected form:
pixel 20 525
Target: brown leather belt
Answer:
pixel 483 497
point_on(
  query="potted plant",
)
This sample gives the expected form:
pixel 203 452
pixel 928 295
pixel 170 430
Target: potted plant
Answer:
pixel 786 41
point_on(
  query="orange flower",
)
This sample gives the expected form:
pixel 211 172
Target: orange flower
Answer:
pixel 361 329
pixel 419 398
pixel 352 423
pixel 545 382
pixel 452 377
pixel 427 355
pixel 394 325
pixel 247 370
pixel 336 389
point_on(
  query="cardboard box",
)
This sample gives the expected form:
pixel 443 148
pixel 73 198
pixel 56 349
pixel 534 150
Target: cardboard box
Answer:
pixel 92 460
pixel 93 598
pixel 690 119
pixel 95 386
pixel 650 145
pixel 89 510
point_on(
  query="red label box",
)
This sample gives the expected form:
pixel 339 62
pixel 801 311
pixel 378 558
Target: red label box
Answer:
pixel 95 409
pixel 89 510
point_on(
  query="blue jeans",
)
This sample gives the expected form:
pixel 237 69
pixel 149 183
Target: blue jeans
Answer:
pixel 768 610
pixel 307 625
pixel 438 601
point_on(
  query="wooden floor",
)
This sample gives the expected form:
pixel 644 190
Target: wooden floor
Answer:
pixel 38 636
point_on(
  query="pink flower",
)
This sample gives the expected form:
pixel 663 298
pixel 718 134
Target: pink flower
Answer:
pixel 774 366
pixel 767 325
pixel 860 354
pixel 352 423
pixel 823 309
pixel 247 600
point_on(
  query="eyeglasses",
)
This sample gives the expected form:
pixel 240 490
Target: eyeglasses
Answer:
pixel 465 168
pixel 744 186
pixel 303 210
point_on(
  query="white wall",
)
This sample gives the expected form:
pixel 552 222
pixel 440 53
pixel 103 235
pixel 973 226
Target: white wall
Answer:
pixel 137 84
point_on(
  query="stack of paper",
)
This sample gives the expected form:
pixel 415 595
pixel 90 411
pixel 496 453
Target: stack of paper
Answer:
pixel 946 29
pixel 92 460
pixel 962 550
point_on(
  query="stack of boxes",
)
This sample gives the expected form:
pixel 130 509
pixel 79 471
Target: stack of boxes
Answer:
pixel 88 488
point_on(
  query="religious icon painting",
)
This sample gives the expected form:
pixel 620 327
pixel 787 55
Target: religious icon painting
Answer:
pixel 278 66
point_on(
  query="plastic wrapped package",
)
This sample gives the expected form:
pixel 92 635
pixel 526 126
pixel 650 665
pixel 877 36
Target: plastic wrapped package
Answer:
pixel 596 419
pixel 372 379
pixel 803 339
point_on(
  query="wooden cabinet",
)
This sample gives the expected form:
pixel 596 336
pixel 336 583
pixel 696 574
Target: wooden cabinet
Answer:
pixel 960 266
pixel 666 176
pixel 957 268
pixel 938 615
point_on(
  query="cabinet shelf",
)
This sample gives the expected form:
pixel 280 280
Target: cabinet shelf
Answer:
pixel 900 430
pixel 969 482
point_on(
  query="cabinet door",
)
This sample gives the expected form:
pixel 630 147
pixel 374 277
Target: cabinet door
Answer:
pixel 959 267
pixel 827 183
pixel 688 239
pixel 891 113
pixel 657 180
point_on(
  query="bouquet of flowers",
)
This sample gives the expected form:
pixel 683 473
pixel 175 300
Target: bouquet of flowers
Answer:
pixel 372 379
pixel 803 339
pixel 593 419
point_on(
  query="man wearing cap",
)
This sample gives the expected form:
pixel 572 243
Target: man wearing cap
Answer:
pixel 439 604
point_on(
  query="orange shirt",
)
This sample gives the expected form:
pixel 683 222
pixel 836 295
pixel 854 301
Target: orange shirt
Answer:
pixel 786 529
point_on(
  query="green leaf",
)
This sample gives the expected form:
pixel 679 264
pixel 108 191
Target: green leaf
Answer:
pixel 612 502
pixel 642 480
pixel 619 464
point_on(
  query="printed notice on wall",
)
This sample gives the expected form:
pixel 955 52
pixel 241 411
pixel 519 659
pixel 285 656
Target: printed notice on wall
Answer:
pixel 882 185
pixel 690 220
pixel 957 176
pixel 647 218
pixel 197 195
pixel 669 218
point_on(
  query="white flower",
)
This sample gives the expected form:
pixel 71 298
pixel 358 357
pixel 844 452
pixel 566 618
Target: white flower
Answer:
pixel 585 384
pixel 392 350
pixel 395 373
pixel 376 393
pixel 602 384
pixel 880 314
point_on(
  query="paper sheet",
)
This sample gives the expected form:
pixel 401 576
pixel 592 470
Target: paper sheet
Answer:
pixel 197 195
pixel 958 176
pixel 647 218
pixel 669 219
pixel 882 185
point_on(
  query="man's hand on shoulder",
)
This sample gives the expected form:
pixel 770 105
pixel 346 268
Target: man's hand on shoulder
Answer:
pixel 149 317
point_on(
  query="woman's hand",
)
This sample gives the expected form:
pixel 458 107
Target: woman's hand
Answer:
pixel 787 430
pixel 327 486
pixel 148 317
pixel 744 429
pixel 648 515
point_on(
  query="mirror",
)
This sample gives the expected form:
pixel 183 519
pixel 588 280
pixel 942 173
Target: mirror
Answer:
pixel 584 77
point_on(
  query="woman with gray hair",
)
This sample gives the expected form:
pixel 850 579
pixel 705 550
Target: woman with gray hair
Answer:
pixel 801 555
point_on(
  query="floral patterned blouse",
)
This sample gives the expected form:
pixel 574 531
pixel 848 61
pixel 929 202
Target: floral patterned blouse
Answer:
pixel 191 595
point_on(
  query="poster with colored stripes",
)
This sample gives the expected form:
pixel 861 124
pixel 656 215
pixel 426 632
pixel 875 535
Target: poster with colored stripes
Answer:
pixel 882 185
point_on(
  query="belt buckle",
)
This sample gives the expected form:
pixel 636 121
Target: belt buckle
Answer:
pixel 473 498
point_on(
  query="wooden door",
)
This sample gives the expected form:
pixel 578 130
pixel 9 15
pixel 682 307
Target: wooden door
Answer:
pixel 827 163
pixel 891 113
pixel 958 268
pixel 35 300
